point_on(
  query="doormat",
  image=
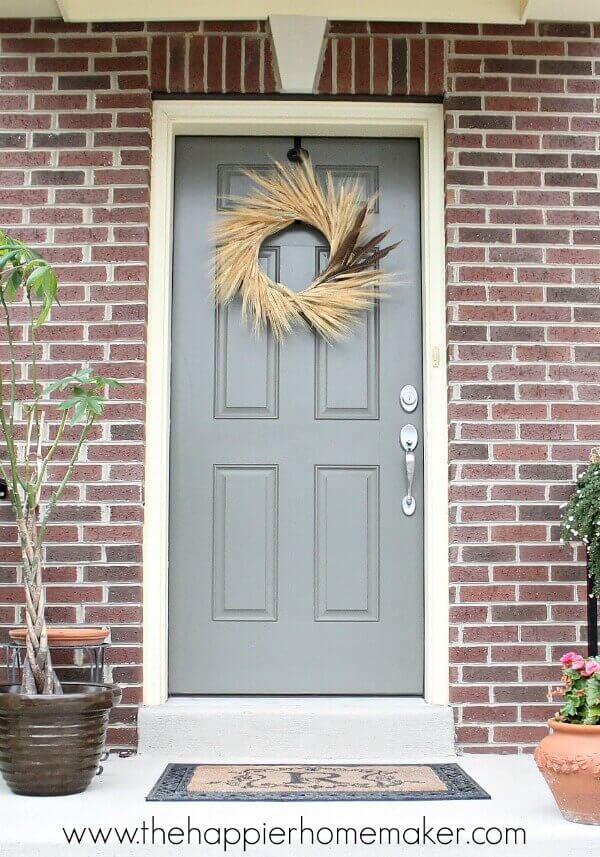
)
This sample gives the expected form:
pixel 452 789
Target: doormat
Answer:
pixel 315 782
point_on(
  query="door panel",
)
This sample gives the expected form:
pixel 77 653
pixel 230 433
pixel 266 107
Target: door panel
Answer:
pixel 347 374
pixel 245 553
pixel 246 367
pixel 367 178
pixel 347 543
pixel 292 566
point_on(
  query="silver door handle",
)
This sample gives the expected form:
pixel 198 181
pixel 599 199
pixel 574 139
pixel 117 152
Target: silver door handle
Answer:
pixel 409 439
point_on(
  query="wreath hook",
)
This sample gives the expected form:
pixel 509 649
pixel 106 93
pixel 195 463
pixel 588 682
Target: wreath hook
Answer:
pixel 297 153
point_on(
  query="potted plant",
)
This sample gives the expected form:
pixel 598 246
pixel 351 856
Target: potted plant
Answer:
pixel 581 518
pixel 569 758
pixel 36 759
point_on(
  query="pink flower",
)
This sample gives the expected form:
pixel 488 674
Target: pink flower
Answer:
pixel 573 661
pixel 591 667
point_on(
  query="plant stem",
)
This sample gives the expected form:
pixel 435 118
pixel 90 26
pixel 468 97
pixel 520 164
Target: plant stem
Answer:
pixel 592 618
pixel 10 449
pixel 13 366
pixel 56 494
pixel 36 392
pixel 49 455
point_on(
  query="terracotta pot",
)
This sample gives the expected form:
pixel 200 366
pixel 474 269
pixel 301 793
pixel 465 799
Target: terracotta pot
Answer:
pixel 51 745
pixel 569 759
pixel 75 635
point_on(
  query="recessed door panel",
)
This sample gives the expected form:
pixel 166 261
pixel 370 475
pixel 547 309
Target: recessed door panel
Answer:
pixel 245 552
pixel 347 543
pixel 365 177
pixel 246 366
pixel 233 182
pixel 347 372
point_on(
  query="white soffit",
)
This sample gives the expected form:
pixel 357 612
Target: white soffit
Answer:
pixel 383 10
pixel 458 11
pixel 29 9
pixel 559 10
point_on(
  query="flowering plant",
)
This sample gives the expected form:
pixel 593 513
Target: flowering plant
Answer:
pixel 580 690
pixel 581 519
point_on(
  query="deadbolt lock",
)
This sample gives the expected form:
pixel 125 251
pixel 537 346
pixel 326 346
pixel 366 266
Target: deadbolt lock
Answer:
pixel 409 398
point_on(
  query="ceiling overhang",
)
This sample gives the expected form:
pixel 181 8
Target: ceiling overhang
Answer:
pixel 442 11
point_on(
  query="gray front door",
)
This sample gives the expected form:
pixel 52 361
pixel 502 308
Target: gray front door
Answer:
pixel 293 569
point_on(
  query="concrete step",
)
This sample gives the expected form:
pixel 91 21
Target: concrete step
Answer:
pixel 297 729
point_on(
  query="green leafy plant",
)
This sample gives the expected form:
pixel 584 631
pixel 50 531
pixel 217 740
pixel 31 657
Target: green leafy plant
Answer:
pixel 31 437
pixel 581 519
pixel 580 690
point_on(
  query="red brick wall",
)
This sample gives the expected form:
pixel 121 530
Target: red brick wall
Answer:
pixel 74 132
pixel 523 293
pixel 524 330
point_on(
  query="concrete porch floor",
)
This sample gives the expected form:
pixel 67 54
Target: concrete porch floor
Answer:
pixel 33 826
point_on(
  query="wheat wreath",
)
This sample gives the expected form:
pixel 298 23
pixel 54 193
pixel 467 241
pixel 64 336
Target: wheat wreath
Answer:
pixel 348 284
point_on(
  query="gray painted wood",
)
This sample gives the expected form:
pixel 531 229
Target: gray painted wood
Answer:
pixel 293 569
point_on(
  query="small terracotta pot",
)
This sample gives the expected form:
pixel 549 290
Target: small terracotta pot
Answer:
pixel 569 760
pixel 75 635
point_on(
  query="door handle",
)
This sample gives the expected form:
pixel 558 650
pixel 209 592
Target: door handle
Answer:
pixel 409 438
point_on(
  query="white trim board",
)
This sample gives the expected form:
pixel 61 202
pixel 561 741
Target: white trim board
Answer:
pixel 289 118
pixel 476 11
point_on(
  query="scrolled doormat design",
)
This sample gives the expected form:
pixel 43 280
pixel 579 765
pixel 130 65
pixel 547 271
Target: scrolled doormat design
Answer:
pixel 315 782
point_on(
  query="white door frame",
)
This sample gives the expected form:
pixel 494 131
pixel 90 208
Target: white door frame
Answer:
pixel 288 118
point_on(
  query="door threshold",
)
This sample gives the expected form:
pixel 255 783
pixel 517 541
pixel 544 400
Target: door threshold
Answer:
pixel 312 730
pixel 274 696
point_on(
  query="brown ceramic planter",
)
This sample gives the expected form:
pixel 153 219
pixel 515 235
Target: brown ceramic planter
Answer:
pixel 51 745
pixel 569 759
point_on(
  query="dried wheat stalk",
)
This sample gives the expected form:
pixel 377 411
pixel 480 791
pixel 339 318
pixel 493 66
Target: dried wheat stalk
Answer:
pixel 334 298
